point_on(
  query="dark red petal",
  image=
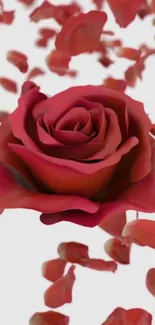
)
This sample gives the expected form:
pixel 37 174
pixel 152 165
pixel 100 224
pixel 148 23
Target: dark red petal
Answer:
pixel 141 232
pixel 99 4
pixel 129 53
pixel 144 11
pixel 18 59
pixel 98 264
pixel 116 317
pixel 117 250
pixel 134 72
pixel 153 129
pixel 125 11
pixel 81 33
pixel 72 251
pixel 137 316
pixel 105 61
pixel 49 318
pixel 116 84
pixel 63 12
pixel 8 84
pixel 150 281
pixel 35 72
pixel 60 292
pixel 54 269
pixel 114 224
pixel 44 11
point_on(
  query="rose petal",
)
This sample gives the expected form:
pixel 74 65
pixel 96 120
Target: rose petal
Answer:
pixel 19 60
pixel 27 2
pixel 134 72
pixel 7 17
pixel 116 317
pixel 60 292
pixel 150 281
pixel 72 252
pixel 114 224
pixel 137 316
pixel 98 264
pixel 49 318
pixel 41 42
pixel 123 16
pixel 16 195
pixel 116 84
pixel 153 6
pixel 27 86
pixel 35 72
pixel 141 231
pixel 47 32
pixel 3 115
pixel 8 84
pixel 63 12
pixel 54 269
pixel 44 11
pixel 58 62
pixel 117 251
pixel 129 53
pixel 99 4
pixel 105 61
pixel 81 33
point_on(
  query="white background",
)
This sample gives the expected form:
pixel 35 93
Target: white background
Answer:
pixel 25 243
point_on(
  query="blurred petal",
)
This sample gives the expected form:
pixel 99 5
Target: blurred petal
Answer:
pixel 35 72
pixel 117 250
pixel 150 281
pixel 116 84
pixel 8 84
pixel 19 60
pixel 54 269
pixel 60 292
pixel 125 11
pixel 49 318
pixel 72 251
pixel 129 53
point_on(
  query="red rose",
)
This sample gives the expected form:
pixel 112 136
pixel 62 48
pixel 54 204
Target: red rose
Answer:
pixel 81 155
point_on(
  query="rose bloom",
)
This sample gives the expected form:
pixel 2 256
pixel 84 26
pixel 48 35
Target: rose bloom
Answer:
pixel 80 156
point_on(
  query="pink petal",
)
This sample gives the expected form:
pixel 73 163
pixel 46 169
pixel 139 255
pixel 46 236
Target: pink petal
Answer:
pixel 141 232
pixel 98 264
pixel 129 53
pixel 116 317
pixel 150 281
pixel 54 269
pixel 114 224
pixel 60 292
pixel 116 84
pixel 35 72
pixel 18 59
pixel 72 252
pixel 8 84
pixel 117 250
pixel 81 33
pixel 125 11
pixel 49 318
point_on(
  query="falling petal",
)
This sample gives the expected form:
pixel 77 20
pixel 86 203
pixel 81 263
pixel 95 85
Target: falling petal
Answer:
pixel 49 318
pixel 116 84
pixel 8 84
pixel 117 250
pixel 60 292
pixel 141 232
pixel 129 53
pixel 35 72
pixel 114 224
pixel 98 264
pixel 72 251
pixel 150 281
pixel 19 60
pixel 54 269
